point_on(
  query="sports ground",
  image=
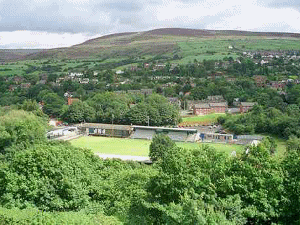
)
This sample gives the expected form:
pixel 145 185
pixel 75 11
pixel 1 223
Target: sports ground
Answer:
pixel 138 147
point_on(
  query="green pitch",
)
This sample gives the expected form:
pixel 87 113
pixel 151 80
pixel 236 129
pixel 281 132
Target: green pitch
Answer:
pixel 137 147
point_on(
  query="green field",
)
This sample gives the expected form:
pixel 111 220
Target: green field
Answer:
pixel 137 147
pixel 207 119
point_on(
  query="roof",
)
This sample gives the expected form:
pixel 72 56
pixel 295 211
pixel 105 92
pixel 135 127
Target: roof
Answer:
pixel 164 128
pixel 105 126
pixel 248 103
pixel 219 104
pixel 202 106
pixel 250 137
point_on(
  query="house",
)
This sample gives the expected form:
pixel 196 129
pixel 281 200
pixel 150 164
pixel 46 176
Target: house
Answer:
pixel 118 72
pixel 146 91
pixel 159 67
pixel 134 92
pixel 25 85
pixel 60 79
pixel 12 87
pixel 246 106
pixel 218 107
pixel 72 100
pixel 84 80
pixel 95 81
pixel 207 108
pixel 18 80
pixel 260 80
pixel 42 82
pixel 277 85
pixel 73 75
pixel 201 109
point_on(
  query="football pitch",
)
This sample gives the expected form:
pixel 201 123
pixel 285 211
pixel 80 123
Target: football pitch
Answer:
pixel 138 147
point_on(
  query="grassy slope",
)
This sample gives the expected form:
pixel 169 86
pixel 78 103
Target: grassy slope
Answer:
pixel 137 147
pixel 150 44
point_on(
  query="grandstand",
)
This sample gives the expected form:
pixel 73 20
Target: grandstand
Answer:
pixel 248 139
pixel 216 137
pixel 108 130
pixel 176 134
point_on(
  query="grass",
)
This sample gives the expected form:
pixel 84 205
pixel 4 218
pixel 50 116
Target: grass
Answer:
pixel 204 120
pixel 138 147
pixel 119 146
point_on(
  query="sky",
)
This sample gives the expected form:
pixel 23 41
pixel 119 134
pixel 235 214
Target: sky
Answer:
pixel 62 23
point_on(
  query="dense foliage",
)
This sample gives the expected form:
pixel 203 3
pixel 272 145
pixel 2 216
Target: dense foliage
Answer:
pixel 269 120
pixel 54 182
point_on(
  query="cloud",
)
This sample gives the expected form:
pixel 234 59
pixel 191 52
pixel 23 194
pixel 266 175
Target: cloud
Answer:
pixel 80 19
pixel 32 39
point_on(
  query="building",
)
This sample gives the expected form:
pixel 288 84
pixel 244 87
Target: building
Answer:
pixel 260 80
pixel 201 109
pixel 176 134
pixel 246 106
pixel 207 108
pixel 109 130
pixel 218 107
pixel 72 100
pixel 277 84
pixel 248 139
pixel 146 91
pixel 215 137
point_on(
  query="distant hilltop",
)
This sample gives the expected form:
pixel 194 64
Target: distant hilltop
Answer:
pixel 134 44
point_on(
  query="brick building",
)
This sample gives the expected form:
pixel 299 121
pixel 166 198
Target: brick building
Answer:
pixel 219 107
pixel 260 81
pixel 201 109
pixel 72 100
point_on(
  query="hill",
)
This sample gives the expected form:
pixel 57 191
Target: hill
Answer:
pixel 186 43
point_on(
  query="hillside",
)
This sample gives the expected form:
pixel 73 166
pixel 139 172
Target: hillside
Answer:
pixel 16 54
pixel 187 43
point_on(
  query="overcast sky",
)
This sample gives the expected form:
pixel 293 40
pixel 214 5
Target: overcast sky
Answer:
pixel 58 23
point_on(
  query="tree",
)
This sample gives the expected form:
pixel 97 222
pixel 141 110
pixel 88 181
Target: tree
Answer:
pixel 52 104
pixel 79 112
pixel 108 104
pixel 50 176
pixel 199 93
pixel 291 165
pixel 159 146
pixel 21 128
